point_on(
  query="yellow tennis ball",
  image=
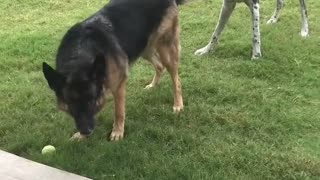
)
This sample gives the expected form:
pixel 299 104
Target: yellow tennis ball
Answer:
pixel 49 149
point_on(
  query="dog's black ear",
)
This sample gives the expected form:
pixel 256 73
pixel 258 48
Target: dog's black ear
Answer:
pixel 98 70
pixel 54 79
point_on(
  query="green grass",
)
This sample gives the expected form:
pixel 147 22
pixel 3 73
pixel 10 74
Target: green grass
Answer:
pixel 243 119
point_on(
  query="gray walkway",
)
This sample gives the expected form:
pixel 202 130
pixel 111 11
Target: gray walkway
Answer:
pixel 13 167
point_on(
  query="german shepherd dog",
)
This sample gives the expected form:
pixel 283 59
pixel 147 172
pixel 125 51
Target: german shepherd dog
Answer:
pixel 95 55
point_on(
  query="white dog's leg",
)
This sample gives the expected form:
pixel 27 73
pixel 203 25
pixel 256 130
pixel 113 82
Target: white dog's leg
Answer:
pixel 226 11
pixel 274 18
pixel 256 43
pixel 304 16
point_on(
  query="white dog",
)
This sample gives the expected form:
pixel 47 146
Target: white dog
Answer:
pixel 226 11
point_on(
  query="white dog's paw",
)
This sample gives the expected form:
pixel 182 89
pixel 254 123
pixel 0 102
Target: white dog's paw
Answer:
pixel 256 56
pixel 203 51
pixel 304 33
pixel 149 86
pixel 272 20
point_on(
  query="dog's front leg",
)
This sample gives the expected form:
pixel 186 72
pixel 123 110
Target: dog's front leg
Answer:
pixel 118 124
pixel 226 11
pixel 304 16
pixel 274 18
pixel 256 43
pixel 119 100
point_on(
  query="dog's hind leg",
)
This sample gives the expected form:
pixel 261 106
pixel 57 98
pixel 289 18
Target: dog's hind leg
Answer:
pixel 171 58
pixel 256 43
pixel 226 11
pixel 274 18
pixel 304 16
pixel 169 53
pixel 158 66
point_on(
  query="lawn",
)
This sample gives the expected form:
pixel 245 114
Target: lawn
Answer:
pixel 243 119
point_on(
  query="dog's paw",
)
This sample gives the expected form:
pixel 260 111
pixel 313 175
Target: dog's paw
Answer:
pixel 203 51
pixel 78 137
pixel 116 135
pixel 272 20
pixel 177 109
pixel 149 86
pixel 256 56
pixel 304 33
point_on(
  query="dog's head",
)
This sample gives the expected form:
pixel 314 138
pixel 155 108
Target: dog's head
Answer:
pixel 80 92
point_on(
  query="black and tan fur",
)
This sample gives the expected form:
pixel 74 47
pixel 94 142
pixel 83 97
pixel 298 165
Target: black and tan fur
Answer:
pixel 95 56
